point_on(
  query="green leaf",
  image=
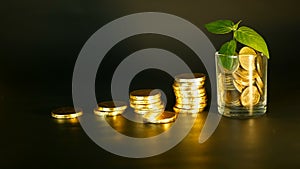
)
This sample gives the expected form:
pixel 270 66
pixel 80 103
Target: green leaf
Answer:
pixel 251 38
pixel 220 26
pixel 235 26
pixel 227 50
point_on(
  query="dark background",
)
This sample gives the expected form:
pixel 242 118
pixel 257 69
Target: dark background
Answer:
pixel 40 41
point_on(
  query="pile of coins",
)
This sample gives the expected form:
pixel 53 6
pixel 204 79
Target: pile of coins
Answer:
pixel 146 100
pixel 110 108
pixel 190 93
pixel 244 86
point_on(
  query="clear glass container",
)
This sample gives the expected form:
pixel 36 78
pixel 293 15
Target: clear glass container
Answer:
pixel 241 85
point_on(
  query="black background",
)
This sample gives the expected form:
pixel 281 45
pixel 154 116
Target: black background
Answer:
pixel 40 41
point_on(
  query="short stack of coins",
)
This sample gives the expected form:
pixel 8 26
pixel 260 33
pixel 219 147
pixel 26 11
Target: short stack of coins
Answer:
pixel 147 101
pixel 190 93
pixel 110 108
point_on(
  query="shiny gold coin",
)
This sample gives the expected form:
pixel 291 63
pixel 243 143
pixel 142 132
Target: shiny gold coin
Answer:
pixel 186 88
pixel 259 65
pixel 108 113
pixel 188 111
pixel 189 84
pixel 196 93
pixel 132 101
pixel 112 106
pixel 65 113
pixel 147 106
pixel 231 96
pixel 260 85
pixel 190 106
pixel 192 101
pixel 144 111
pixel 190 77
pixel 247 58
pixel 145 94
pixel 250 96
pixel 244 74
pixel 238 86
pixel 164 117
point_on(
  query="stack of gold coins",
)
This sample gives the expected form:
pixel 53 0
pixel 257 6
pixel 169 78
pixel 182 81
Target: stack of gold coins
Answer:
pixel 65 113
pixel 147 101
pixel 110 108
pixel 190 93
pixel 247 79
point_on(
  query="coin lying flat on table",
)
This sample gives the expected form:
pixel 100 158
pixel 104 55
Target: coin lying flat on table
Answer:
pixel 145 94
pixel 65 113
pixel 110 108
pixel 190 77
pixel 164 117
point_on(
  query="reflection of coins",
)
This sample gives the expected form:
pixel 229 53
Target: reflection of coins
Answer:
pixel 145 94
pixel 112 106
pixel 65 113
pixel 164 117
pixel 250 96
pixel 247 58
pixel 190 77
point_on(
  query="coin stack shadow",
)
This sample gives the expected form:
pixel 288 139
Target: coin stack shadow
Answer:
pixel 190 93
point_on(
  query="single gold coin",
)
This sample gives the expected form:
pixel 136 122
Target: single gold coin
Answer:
pixel 147 106
pixel 112 106
pixel 189 84
pixel 188 111
pixel 191 100
pixel 247 58
pixel 259 65
pixel 238 86
pixel 260 85
pixel 190 77
pixel 231 96
pixel 186 88
pixel 108 113
pixel 199 92
pixel 164 117
pixel 132 101
pixel 145 94
pixel 250 96
pixel 145 111
pixel 241 73
pixel 65 113
pixel 190 106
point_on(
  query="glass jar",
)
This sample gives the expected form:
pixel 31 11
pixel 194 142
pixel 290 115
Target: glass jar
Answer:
pixel 241 85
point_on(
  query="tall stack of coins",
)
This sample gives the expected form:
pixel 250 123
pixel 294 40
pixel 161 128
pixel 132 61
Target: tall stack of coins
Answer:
pixel 147 101
pixel 190 93
pixel 110 108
